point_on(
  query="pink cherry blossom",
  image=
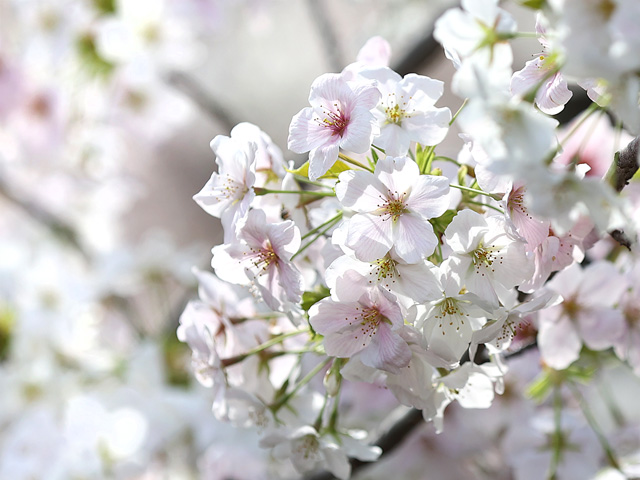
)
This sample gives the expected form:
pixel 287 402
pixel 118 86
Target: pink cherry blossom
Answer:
pixel 339 117
pixel 263 253
pixel 585 316
pixel 366 325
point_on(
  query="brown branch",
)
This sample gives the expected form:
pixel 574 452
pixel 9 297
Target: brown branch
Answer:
pixel 625 165
pixel 59 228
pixel 203 99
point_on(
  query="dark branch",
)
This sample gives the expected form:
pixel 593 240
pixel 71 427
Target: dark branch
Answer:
pixel 202 99
pixel 388 442
pixel 59 228
pixel 625 165
pixel 394 437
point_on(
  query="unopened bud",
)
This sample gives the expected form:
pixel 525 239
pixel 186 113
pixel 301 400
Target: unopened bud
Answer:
pixel 332 381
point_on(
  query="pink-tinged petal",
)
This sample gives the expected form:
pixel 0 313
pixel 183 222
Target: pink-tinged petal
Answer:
pixel 322 159
pixel 387 351
pixel 369 236
pixel 413 238
pixel 529 77
pixel 290 279
pixel 553 95
pixel 328 317
pixel 533 230
pixel 601 285
pixel 567 282
pixel 375 52
pixel 328 88
pixel 559 343
pixel 346 343
pixel 284 238
pixel 357 134
pixel 386 304
pixel 360 191
pixel 600 327
pixel 366 97
pixel 306 133
pixel 430 196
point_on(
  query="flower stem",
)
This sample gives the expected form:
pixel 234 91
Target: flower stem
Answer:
pixel 334 220
pixel 350 160
pixel 455 116
pixel 337 217
pixel 226 362
pixel 265 191
pixel 307 378
pixel 478 192
pixel 484 205
pixel 588 415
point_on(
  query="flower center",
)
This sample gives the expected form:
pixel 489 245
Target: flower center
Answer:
pixel 393 110
pixel 484 257
pixel 450 311
pixel 306 447
pixel 334 119
pixel 385 269
pixel 262 258
pixel 393 206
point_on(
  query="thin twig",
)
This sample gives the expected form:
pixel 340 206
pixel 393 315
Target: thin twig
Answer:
pixel 59 228
pixel 203 99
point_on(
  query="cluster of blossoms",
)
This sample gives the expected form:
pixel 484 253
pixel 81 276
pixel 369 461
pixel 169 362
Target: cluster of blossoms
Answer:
pixel 383 269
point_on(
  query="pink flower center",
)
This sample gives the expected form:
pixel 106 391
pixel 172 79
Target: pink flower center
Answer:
pixel 335 120
pixel 369 319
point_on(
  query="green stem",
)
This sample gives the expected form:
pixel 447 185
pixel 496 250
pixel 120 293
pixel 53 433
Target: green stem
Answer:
pixel 478 192
pixel 307 378
pixel 378 148
pixel 265 191
pixel 484 205
pixel 318 235
pixel 455 116
pixel 446 159
pixel 226 362
pixel 557 434
pixel 332 219
pixel 350 160
pixel 588 415
pixel 300 178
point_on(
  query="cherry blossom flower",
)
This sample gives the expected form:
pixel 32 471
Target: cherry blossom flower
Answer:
pixel 393 207
pixel 586 314
pixel 488 260
pixel 543 73
pixel 406 111
pixel 463 32
pixel 339 117
pixel 263 253
pixel 307 449
pixel 450 320
pixel 228 193
pixel 532 229
pixel 365 325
